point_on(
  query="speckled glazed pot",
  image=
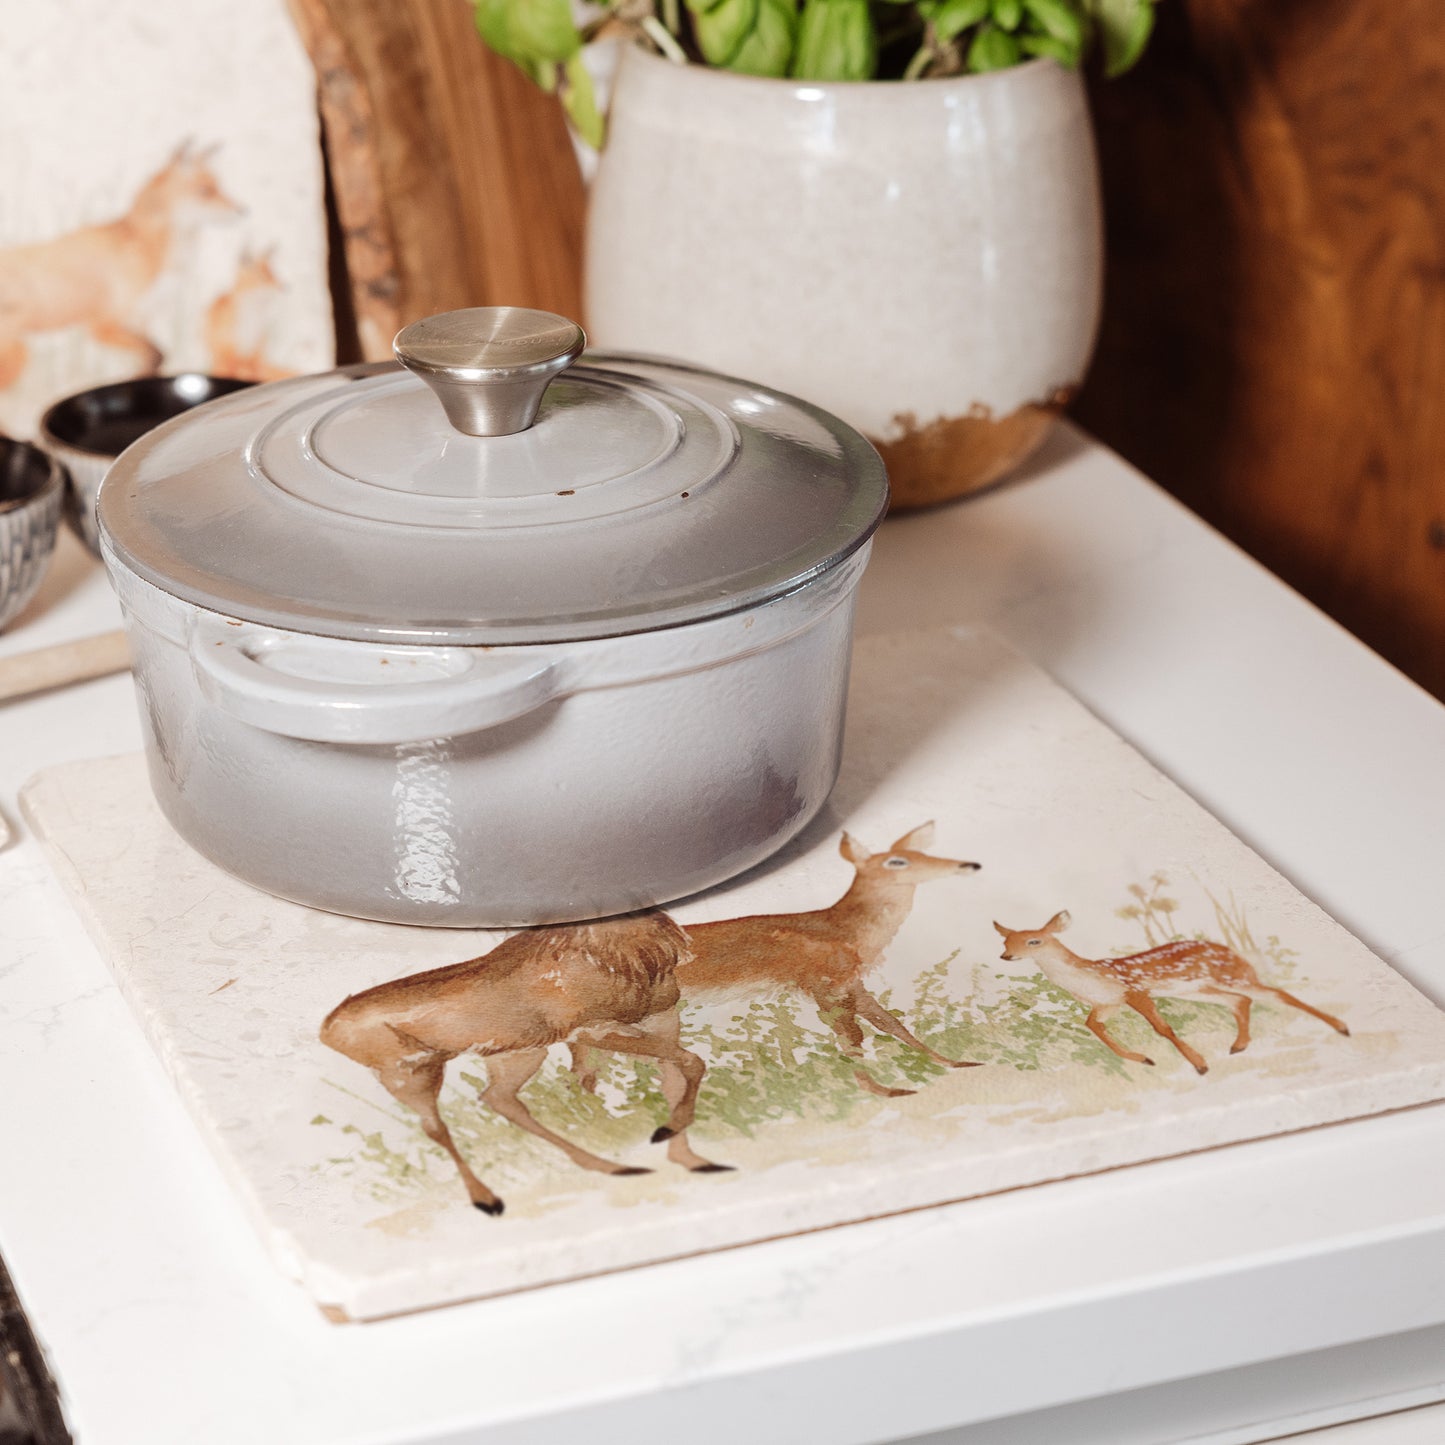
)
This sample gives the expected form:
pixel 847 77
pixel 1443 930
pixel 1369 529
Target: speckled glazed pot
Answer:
pixel 923 259
pixel 509 659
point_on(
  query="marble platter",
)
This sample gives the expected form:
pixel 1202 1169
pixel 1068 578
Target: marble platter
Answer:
pixel 231 987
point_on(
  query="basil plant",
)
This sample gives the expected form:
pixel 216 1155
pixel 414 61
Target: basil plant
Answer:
pixel 813 39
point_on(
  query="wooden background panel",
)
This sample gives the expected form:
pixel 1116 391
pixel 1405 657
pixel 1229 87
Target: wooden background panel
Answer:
pixel 1274 337
pixel 453 177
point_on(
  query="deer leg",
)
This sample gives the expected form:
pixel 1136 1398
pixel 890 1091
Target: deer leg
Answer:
pixel 681 1071
pixel 417 1083
pixel 1240 1003
pixel 1098 1017
pixel 111 333
pixel 506 1076
pixel 1338 1025
pixel 841 1016
pixel 1143 1004
pixel 874 1013
pixel 582 1066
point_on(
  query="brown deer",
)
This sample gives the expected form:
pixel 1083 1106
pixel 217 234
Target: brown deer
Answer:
pixel 610 984
pixel 824 954
pixel 96 277
pixel 238 322
pixel 1184 969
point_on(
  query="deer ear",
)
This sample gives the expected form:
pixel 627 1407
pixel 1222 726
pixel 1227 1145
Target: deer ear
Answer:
pixel 1058 922
pixel 920 837
pixel 1000 929
pixel 853 850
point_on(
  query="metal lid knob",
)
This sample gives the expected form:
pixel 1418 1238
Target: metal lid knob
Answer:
pixel 489 365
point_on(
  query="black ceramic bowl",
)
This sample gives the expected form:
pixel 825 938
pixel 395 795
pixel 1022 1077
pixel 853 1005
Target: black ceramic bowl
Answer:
pixel 86 432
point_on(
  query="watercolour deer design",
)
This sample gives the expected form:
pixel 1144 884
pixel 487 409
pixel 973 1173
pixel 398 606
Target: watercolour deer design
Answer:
pixel 824 954
pixel 96 277
pixel 238 321
pixel 609 984
pixel 1184 969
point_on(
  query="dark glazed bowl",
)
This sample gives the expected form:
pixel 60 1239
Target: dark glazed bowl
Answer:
pixel 86 432
pixel 32 486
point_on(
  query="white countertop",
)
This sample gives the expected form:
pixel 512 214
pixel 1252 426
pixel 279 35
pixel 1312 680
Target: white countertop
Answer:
pixel 166 1323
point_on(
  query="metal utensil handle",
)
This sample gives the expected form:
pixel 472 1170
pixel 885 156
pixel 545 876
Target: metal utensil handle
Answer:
pixel 490 365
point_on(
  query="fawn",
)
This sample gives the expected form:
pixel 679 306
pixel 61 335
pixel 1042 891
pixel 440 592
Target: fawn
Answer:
pixel 96 277
pixel 238 321
pixel 610 984
pixel 823 954
pixel 1184 969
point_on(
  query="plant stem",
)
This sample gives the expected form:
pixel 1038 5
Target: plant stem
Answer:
pixel 657 32
pixel 920 62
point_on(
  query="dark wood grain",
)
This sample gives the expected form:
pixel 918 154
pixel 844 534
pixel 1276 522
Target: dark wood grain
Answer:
pixel 1274 338
pixel 453 177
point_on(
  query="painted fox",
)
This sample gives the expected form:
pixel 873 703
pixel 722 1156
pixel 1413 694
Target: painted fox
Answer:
pixel 97 277
pixel 238 322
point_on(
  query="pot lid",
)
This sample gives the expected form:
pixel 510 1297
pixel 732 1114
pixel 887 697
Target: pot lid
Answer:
pixel 476 494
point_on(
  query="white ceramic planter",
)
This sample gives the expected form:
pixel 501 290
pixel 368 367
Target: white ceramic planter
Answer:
pixel 923 259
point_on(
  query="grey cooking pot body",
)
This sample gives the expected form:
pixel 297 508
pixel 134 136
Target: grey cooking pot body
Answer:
pixel 547 650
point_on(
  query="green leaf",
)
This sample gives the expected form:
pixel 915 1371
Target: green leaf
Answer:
pixel 1124 29
pixel 992 49
pixel 579 100
pixel 1060 20
pixel 721 26
pixel 952 17
pixel 530 33
pixel 1008 14
pixel 1047 46
pixel 768 47
pixel 836 41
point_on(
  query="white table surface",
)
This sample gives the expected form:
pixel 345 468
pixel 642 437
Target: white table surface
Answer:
pixel 1166 1289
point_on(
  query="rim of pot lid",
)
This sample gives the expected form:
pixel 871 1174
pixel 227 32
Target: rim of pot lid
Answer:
pixel 489 490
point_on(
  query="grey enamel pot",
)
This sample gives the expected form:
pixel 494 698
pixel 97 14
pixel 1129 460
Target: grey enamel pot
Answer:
pixel 458 691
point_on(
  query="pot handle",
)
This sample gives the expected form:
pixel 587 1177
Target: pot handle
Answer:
pixel 311 688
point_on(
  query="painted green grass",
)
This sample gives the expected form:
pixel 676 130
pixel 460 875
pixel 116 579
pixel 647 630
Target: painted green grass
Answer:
pixel 774 1061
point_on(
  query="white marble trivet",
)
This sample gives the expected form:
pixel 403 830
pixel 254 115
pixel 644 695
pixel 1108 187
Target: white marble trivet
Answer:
pixel 231 987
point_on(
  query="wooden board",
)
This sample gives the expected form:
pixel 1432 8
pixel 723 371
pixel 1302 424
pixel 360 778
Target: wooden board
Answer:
pixel 1274 340
pixel 454 178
